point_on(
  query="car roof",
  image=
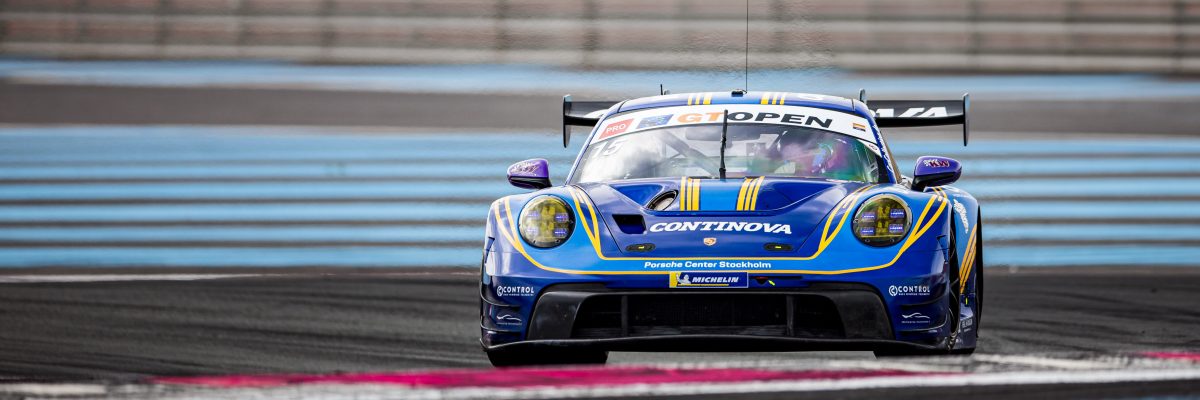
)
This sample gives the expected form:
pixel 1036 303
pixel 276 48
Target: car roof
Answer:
pixel 736 97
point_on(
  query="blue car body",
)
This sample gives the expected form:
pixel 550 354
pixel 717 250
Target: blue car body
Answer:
pixel 706 277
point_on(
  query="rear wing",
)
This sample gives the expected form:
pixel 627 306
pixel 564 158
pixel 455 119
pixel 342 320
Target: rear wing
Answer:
pixel 916 113
pixel 581 113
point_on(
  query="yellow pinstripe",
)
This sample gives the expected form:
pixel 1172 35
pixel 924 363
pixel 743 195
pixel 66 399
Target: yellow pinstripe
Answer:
pixel 683 194
pixel 753 201
pixel 741 201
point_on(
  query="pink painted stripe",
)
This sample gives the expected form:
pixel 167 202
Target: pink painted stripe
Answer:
pixel 531 377
pixel 1173 355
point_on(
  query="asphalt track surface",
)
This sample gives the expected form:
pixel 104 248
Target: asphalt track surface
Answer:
pixel 322 322
pixel 316 322
pixel 336 320
pixel 81 104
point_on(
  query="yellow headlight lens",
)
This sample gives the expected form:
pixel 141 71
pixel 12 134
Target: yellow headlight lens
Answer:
pixel 546 222
pixel 882 221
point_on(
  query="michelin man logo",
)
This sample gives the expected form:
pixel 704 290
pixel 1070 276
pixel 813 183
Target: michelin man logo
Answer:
pixel 684 280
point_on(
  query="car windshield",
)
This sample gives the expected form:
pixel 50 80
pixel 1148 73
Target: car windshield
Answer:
pixel 752 150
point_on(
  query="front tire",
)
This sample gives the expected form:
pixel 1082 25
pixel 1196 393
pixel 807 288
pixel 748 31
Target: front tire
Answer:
pixel 954 301
pixel 513 358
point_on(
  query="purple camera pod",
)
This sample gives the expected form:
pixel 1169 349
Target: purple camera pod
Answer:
pixel 935 171
pixel 530 174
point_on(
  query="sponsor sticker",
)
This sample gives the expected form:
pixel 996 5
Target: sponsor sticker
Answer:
pixel 658 120
pixel 616 128
pixel 913 112
pixel 873 147
pixel 936 163
pixel 914 318
pixel 515 291
pixel 961 210
pixel 707 264
pixel 709 280
pixel 721 226
pixel 508 319
pixel 738 113
pixel 908 290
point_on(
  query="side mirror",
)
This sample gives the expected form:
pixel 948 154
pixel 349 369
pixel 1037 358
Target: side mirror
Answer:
pixel 935 171
pixel 530 174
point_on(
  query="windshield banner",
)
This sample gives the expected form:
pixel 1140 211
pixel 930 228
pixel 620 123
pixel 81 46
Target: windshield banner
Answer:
pixel 817 118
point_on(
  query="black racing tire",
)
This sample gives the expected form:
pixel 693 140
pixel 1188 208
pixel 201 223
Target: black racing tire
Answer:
pixel 518 358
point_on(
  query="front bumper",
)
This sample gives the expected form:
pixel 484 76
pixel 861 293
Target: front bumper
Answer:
pixel 820 316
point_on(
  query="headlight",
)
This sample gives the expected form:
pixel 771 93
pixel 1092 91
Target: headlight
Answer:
pixel 546 222
pixel 881 221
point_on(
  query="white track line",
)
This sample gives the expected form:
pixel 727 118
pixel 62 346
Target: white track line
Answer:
pixel 54 389
pixel 116 277
pixel 1044 362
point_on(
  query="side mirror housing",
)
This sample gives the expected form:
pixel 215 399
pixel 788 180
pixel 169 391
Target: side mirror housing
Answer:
pixel 935 171
pixel 530 174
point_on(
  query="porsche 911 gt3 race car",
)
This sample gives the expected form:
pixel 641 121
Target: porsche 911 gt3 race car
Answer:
pixel 734 221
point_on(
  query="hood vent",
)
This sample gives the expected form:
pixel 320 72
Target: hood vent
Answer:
pixel 630 224
pixel 662 201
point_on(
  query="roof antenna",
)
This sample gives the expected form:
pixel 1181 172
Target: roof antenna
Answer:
pixel 746 75
pixel 724 135
pixel 662 91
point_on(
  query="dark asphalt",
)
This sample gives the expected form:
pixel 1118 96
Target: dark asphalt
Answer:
pixel 319 323
pixel 76 104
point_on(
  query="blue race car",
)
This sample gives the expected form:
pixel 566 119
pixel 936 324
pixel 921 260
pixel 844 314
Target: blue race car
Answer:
pixel 734 221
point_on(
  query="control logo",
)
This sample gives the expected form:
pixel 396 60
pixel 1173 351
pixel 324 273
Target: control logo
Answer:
pixel 709 279
pixel 515 291
pixel 908 290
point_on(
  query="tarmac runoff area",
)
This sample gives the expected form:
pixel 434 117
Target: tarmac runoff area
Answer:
pixel 267 333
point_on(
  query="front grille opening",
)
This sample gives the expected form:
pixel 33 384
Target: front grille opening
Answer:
pixel 781 315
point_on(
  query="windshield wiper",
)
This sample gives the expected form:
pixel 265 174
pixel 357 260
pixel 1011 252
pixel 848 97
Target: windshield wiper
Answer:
pixel 724 135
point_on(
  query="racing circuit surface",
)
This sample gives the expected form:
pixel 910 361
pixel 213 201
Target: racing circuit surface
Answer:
pixel 207 238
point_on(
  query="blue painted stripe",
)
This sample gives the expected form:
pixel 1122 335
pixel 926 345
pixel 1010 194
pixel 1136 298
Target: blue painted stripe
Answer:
pixel 1090 210
pixel 251 212
pixel 483 172
pixel 1091 232
pixel 495 188
pixel 468 257
pixel 1141 187
pixel 408 233
pixel 997 210
pixel 523 78
pixel 1077 166
pixel 911 149
pixel 491 171
pixel 438 233
pixel 492 189
pixel 239 257
pixel 1091 256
